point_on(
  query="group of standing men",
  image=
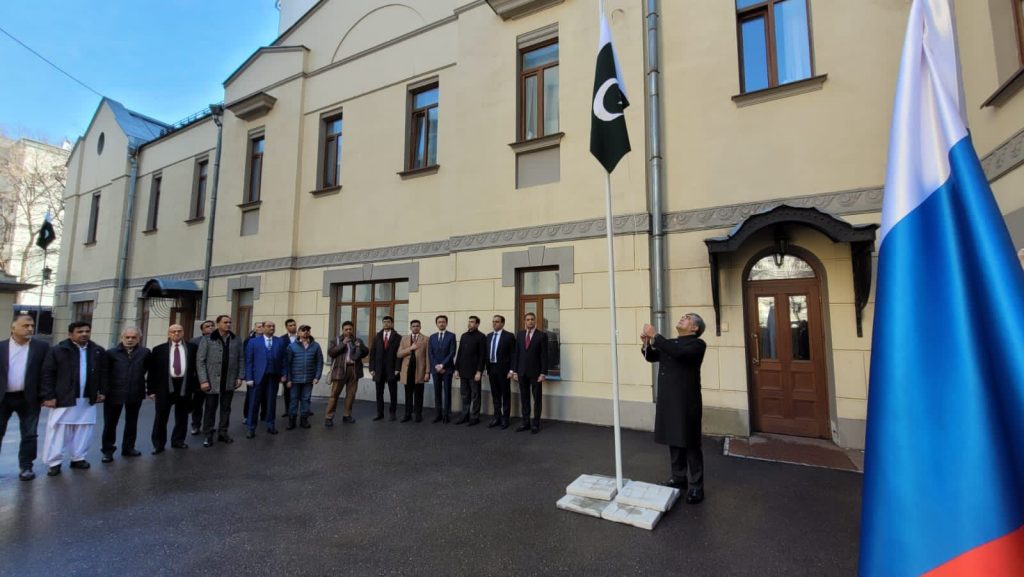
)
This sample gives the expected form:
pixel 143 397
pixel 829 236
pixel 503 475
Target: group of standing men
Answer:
pixel 415 358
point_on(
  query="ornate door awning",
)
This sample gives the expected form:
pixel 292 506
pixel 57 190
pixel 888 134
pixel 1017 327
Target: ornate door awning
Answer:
pixel 168 288
pixel 861 238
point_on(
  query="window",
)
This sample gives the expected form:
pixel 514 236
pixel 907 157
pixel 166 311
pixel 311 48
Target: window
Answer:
pixel 94 217
pixel 537 293
pixel 774 42
pixel 330 161
pixel 197 206
pixel 1018 19
pixel 242 313
pixel 254 176
pixel 82 311
pixel 366 305
pixel 423 128
pixel 154 203
pixel 538 90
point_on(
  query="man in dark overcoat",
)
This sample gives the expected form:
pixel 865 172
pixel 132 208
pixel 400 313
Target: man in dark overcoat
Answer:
pixel 678 414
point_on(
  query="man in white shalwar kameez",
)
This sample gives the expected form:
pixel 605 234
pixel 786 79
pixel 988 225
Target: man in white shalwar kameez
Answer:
pixel 70 387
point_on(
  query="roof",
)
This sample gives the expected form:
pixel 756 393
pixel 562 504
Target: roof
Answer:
pixel 167 288
pixel 137 127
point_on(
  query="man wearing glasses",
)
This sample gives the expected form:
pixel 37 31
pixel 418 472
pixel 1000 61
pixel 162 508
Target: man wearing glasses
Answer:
pixel 678 414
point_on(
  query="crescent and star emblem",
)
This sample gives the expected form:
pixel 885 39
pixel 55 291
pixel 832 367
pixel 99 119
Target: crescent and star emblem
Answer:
pixel 599 110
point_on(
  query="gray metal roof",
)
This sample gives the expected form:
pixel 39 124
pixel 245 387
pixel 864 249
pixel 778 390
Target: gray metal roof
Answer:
pixel 139 128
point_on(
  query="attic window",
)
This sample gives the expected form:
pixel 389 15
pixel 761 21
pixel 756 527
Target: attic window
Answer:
pixel 99 143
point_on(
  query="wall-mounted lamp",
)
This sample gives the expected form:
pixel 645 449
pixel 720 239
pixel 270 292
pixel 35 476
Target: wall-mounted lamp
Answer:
pixel 781 246
pixel 218 113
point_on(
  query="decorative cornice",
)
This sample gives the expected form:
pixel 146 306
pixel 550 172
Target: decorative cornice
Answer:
pixel 843 202
pixel 1004 158
pixel 580 229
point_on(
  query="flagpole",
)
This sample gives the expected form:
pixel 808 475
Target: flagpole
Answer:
pixel 615 329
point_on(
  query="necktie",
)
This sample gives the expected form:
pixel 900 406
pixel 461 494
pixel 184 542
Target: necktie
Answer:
pixel 410 377
pixel 176 364
pixel 494 346
pixel 386 335
pixel 528 335
pixel 270 343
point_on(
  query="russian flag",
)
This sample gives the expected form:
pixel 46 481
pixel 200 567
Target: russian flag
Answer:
pixel 944 471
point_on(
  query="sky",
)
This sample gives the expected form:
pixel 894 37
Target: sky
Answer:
pixel 163 58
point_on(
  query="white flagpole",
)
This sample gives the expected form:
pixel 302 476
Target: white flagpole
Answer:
pixel 615 330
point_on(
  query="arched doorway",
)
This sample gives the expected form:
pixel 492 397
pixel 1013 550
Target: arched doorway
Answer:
pixel 786 344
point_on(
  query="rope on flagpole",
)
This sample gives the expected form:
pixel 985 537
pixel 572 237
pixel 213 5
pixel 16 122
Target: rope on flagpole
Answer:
pixel 610 233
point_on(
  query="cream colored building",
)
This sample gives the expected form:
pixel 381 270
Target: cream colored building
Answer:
pixel 464 185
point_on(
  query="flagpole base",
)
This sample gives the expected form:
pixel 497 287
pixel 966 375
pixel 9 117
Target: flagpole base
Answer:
pixel 638 504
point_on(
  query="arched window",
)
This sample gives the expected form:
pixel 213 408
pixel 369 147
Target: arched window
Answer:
pixel 791 268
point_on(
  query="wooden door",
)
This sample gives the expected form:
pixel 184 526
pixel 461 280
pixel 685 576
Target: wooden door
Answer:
pixel 786 350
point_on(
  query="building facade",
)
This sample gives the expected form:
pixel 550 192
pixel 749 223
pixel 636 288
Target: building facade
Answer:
pixel 432 157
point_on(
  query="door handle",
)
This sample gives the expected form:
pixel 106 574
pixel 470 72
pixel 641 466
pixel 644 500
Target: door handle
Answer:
pixel 756 360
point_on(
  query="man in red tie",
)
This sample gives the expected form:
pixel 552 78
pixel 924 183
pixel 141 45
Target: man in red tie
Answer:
pixel 531 370
pixel 171 382
pixel 384 367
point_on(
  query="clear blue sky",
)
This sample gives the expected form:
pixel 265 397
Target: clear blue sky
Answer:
pixel 163 58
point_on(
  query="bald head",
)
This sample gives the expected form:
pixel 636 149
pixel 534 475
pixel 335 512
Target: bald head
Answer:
pixel 175 333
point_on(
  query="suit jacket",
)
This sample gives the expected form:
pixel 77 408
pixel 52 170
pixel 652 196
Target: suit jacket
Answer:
pixel 384 362
pixel 33 368
pixel 441 351
pixel 60 373
pixel 471 355
pixel 405 352
pixel 125 380
pixel 677 417
pixel 336 350
pixel 506 357
pixel 158 375
pixel 259 361
pixel 533 361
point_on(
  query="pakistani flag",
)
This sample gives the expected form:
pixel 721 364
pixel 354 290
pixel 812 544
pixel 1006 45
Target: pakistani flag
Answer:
pixel 609 141
pixel 46 234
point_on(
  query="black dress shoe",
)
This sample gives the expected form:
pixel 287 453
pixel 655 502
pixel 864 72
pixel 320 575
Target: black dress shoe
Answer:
pixel 131 453
pixel 406 418
pixel 225 438
pixel 522 427
pixel 291 424
pixel 418 418
pixel 304 423
pixel 437 419
pixel 462 420
pixel 328 423
pixel 271 431
pixel 83 464
pixel 675 483
pixel 473 422
pixel 504 424
pixel 493 423
pixel 285 414
pixel 26 475
pixel 179 446
pixel 392 417
pixel 379 417
pixel 250 434
pixel 208 441
pixel 196 431
pixel 107 458
pixel 694 496
pixel 534 429
pixel 347 419
pixel 53 471
pixel 157 451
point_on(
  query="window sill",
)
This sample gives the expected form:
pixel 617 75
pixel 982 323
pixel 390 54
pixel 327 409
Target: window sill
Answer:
pixel 1005 91
pixel 415 172
pixel 549 141
pixel 774 93
pixel 326 191
pixel 90 243
pixel 195 220
pixel 149 231
pixel 247 206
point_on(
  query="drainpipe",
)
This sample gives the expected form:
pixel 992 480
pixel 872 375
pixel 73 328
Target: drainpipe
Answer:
pixel 218 119
pixel 654 161
pixel 126 239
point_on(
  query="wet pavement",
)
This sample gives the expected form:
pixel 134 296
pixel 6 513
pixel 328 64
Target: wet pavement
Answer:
pixel 390 498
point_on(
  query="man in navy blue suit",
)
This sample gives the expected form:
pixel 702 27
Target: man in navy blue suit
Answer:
pixel 441 355
pixel 264 365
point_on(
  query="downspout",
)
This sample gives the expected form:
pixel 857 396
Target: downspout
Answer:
pixel 654 161
pixel 126 239
pixel 218 119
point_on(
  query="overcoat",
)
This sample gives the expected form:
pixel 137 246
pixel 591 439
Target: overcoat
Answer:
pixel 678 412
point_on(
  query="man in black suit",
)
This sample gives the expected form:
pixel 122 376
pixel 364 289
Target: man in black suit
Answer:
pixel 171 380
pixel 124 389
pixel 501 358
pixel 384 367
pixel 531 370
pixel 21 369
pixel 469 369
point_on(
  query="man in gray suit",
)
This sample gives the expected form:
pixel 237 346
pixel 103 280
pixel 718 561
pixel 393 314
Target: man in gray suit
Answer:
pixel 199 398
pixel 21 370
pixel 220 367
